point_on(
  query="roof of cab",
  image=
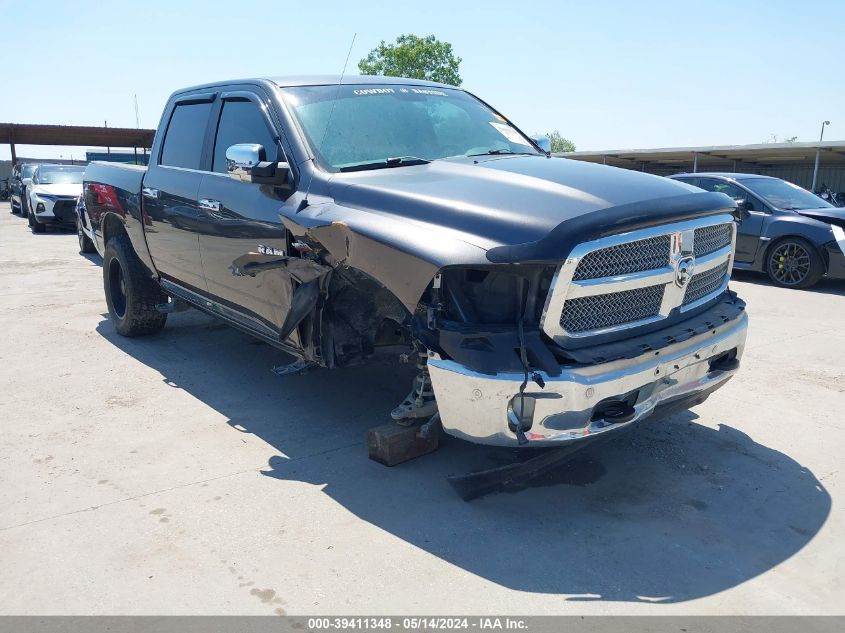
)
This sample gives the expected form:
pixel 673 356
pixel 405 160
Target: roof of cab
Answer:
pixel 322 80
pixel 721 174
pixel 333 80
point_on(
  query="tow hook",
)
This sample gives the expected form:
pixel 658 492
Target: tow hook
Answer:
pixel 616 410
pixel 727 361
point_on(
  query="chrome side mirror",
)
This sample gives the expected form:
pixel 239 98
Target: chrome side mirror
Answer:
pixel 246 162
pixel 242 158
pixel 543 142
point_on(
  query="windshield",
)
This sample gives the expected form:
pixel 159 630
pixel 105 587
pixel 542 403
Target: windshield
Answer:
pixel 371 123
pixel 26 171
pixel 60 175
pixel 784 195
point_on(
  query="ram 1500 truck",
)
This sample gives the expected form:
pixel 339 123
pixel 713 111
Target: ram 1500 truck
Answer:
pixel 544 300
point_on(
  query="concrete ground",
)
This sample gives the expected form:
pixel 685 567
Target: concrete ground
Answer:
pixel 177 475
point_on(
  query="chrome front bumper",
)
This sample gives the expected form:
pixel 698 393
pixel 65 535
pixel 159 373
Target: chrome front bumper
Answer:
pixel 474 406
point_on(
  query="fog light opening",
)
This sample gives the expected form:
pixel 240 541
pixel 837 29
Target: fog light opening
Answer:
pixel 521 412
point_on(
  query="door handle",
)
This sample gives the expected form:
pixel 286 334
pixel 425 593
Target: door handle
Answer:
pixel 149 192
pixel 210 205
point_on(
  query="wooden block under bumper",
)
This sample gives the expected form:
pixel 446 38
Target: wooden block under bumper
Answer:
pixel 393 444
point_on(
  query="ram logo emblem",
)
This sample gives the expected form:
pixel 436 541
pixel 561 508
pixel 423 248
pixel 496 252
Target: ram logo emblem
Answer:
pixel 684 270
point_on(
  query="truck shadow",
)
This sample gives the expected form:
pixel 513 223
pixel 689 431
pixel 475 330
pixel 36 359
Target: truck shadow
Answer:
pixel 670 512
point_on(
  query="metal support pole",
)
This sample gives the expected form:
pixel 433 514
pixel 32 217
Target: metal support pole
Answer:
pixel 695 162
pixel 818 152
pixel 12 145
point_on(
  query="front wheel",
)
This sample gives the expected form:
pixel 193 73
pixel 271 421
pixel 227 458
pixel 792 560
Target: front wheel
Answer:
pixel 34 225
pixel 132 295
pixel 85 243
pixel 794 263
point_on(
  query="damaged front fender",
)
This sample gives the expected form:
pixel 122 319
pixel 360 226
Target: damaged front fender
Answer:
pixel 401 256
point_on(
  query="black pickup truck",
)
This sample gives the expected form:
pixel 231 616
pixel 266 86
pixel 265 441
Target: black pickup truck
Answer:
pixel 544 300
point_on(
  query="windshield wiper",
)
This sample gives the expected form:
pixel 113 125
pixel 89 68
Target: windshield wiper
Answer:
pixel 500 152
pixel 397 161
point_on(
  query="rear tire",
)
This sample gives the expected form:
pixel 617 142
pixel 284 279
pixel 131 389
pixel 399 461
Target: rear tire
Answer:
pixel 85 243
pixel 792 262
pixel 132 295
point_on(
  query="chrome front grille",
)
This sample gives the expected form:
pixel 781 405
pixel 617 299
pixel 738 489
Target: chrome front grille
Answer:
pixel 705 283
pixel 632 279
pixel 584 314
pixel 709 239
pixel 623 259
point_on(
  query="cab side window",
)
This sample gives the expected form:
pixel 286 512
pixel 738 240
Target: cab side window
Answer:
pixel 185 136
pixel 242 121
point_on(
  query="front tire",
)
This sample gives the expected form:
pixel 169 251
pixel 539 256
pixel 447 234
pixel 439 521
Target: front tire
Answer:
pixel 132 295
pixel 793 262
pixel 34 225
pixel 85 243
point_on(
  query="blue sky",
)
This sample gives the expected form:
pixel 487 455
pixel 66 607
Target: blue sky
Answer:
pixel 606 74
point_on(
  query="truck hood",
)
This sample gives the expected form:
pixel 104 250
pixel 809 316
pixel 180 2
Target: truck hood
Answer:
pixel 498 201
pixel 829 215
pixel 63 189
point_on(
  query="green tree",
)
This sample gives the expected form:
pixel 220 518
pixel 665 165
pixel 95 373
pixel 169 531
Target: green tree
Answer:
pixel 560 143
pixel 414 57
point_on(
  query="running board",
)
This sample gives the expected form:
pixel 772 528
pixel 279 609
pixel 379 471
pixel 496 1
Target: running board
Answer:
pixel 174 305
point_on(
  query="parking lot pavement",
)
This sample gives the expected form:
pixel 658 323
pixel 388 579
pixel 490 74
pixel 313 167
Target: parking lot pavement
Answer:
pixel 177 474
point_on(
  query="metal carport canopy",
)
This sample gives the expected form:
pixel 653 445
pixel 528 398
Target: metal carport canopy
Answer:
pixel 771 154
pixel 28 134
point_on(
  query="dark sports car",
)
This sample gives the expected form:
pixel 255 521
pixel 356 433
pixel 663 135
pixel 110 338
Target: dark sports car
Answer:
pixel 787 232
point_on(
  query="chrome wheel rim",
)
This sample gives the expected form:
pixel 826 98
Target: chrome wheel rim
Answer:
pixel 789 263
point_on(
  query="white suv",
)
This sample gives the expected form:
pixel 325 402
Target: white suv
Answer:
pixel 52 196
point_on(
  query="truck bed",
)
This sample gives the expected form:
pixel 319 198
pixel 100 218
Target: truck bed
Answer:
pixel 114 189
pixel 128 178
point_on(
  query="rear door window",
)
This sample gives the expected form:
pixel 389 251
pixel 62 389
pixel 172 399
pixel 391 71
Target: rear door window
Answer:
pixel 241 121
pixel 185 136
pixel 720 186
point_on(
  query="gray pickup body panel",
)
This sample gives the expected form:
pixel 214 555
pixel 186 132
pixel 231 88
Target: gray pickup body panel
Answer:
pixel 399 226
